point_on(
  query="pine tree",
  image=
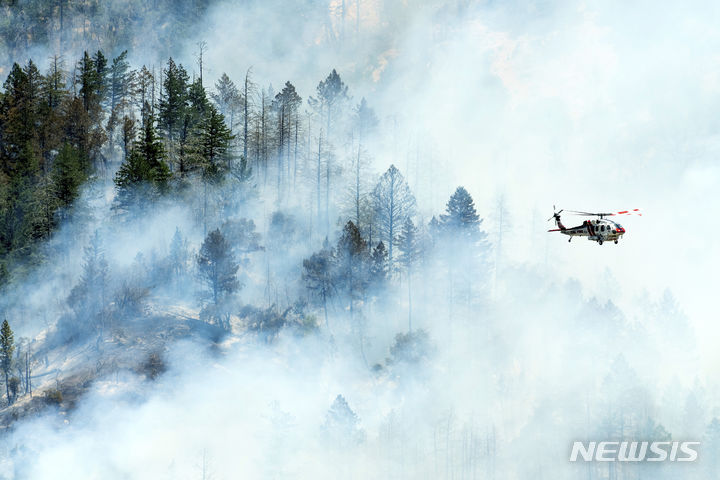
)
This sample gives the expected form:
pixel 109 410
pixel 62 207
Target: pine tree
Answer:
pixel 18 115
pixel 68 175
pixel 217 267
pixel 178 257
pixel 245 238
pixel 227 98
pixel 4 276
pixel 89 82
pixel 198 103
pixel 214 146
pixel 332 94
pixel 88 298
pixel 152 151
pixel 461 217
pixel 119 85
pixel 342 425
pixel 318 278
pixel 129 131
pixel 7 348
pixel 285 105
pixel 142 95
pixel 462 242
pixel 365 120
pixel 409 246
pixel 394 203
pixel 351 266
pixel 379 264
pixel 173 102
pixel 144 174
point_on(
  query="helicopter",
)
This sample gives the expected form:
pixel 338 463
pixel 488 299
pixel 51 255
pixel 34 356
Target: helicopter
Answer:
pixel 597 230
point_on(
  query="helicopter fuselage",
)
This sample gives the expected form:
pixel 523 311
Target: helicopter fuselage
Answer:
pixel 600 230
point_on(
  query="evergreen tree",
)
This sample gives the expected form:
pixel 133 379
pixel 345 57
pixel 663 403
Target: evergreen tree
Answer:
pixel 460 239
pixel 190 154
pixel 379 264
pixel 178 254
pixel 332 95
pixel 7 348
pixel 88 298
pixel 129 131
pixel 173 102
pixel 217 267
pixel 119 85
pixel 4 276
pixel 18 149
pixel 285 105
pixel 93 81
pixel 351 266
pixel 342 425
pixel 243 234
pixel 198 103
pixel 68 175
pixel 410 348
pixel 40 211
pixel 227 98
pixel 214 146
pixel 409 246
pixel 51 112
pixel 365 120
pixel 461 217
pixel 394 203
pixel 317 276
pixel 119 82
pixel 144 174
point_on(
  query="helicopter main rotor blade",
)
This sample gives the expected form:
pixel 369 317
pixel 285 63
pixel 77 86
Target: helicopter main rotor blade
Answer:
pixel 575 212
pixel 634 211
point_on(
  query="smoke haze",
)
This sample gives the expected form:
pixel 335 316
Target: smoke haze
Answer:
pixel 595 106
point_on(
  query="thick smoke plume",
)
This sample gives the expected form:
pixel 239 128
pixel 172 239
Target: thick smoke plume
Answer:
pixel 480 361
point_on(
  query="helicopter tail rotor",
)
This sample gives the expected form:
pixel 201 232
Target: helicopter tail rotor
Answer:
pixel 556 216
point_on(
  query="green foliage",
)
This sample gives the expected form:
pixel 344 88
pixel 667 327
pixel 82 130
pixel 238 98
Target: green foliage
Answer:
pixel 409 245
pixel 213 146
pixel 317 276
pixel 88 298
pixel 7 349
pixel 461 216
pixel 7 346
pixel 68 175
pixel 144 174
pixel 173 103
pixel 332 94
pixel 13 386
pixel 154 366
pixel 267 323
pixel 217 267
pixel 69 25
pixel 410 348
pixel 53 396
pixel 243 235
pixel 379 265
pixel 4 275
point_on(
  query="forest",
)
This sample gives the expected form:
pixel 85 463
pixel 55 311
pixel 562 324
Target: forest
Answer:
pixel 206 276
